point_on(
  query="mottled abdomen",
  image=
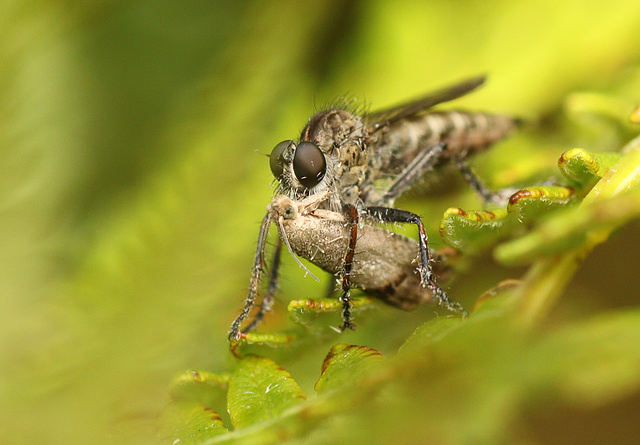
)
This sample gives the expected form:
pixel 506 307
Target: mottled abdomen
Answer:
pixel 460 130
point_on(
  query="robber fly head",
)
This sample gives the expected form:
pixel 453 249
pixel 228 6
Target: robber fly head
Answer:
pixel 330 144
pixel 300 166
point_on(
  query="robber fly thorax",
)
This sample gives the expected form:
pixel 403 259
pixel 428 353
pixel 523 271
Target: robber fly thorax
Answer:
pixel 355 166
pixel 348 154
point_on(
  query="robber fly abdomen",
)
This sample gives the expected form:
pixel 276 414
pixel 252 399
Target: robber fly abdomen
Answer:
pixel 463 133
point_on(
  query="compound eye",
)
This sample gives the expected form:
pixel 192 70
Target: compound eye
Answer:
pixel 276 159
pixel 289 212
pixel 309 164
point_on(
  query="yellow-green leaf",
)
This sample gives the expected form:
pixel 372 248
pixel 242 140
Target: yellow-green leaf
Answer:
pixel 190 422
pixel 260 390
pixel 346 364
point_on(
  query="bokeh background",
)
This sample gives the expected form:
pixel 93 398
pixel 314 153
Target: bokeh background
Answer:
pixel 133 181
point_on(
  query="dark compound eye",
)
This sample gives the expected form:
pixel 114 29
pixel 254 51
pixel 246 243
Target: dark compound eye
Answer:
pixel 276 161
pixel 309 164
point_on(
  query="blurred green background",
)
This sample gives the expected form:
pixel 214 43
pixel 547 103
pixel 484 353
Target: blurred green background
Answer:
pixel 133 183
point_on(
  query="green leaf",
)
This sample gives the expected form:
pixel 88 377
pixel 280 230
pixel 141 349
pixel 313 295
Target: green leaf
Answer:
pixel 531 202
pixel 569 229
pixel 346 364
pixel 190 422
pixel 429 333
pixel 260 390
pixel 586 168
pixel 473 231
pixel 196 391
pixel 305 312
pixel 192 384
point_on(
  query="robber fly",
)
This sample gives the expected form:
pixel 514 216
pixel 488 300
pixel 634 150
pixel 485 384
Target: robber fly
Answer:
pixel 356 166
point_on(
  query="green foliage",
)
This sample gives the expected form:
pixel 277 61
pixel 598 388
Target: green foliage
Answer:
pixel 473 231
pixel 611 203
pixel 455 381
pixel 132 187
pixel 462 381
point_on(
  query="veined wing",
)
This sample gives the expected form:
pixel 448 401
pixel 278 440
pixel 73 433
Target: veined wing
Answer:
pixel 380 119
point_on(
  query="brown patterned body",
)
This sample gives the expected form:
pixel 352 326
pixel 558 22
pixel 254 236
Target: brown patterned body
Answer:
pixel 360 159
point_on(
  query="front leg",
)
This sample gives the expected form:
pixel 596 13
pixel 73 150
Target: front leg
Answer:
pixel 235 332
pixel 345 298
pixel 267 300
pixel 427 277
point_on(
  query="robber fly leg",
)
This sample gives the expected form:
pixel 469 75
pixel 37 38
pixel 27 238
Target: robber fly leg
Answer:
pixel 345 298
pixel 235 333
pixel 267 300
pixel 489 197
pixel 416 169
pixel 427 277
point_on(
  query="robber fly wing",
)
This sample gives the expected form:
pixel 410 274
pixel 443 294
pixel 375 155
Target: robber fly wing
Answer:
pixel 382 118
